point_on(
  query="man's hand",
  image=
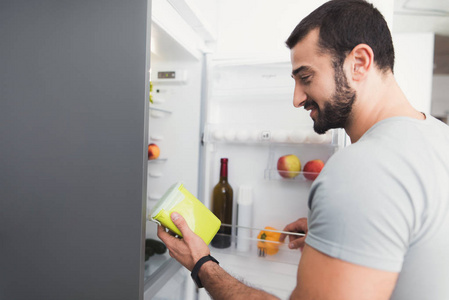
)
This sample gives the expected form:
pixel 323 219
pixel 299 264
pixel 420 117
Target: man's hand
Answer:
pixel 217 281
pixel 295 241
pixel 187 250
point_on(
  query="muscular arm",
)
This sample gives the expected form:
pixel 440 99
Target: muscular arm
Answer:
pixel 322 277
pixel 221 285
pixel 217 281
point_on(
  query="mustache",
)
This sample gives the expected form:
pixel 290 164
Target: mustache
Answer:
pixel 309 104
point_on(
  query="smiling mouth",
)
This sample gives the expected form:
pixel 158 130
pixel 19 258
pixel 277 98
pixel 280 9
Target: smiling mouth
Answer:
pixel 313 113
pixel 309 104
pixel 310 107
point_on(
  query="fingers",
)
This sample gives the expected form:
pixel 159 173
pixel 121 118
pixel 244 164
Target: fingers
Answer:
pixel 163 235
pixel 297 243
pixel 282 237
pixel 289 228
pixel 299 225
pixel 160 231
pixel 180 223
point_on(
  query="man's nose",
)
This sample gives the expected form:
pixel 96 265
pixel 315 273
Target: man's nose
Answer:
pixel 299 96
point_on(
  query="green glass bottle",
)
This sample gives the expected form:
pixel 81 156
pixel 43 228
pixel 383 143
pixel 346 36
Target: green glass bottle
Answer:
pixel 222 196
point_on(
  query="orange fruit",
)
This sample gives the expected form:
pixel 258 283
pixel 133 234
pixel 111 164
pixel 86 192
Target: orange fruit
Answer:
pixel 153 151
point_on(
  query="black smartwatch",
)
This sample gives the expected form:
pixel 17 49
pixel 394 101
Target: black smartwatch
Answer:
pixel 197 267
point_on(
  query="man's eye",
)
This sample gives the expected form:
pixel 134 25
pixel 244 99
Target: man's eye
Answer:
pixel 305 79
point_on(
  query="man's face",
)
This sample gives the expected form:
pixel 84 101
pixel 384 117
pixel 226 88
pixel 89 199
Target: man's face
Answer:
pixel 320 85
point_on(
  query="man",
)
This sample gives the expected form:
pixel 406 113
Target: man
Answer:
pixel 379 211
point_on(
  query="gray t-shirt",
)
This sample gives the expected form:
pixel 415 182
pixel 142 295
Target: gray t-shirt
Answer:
pixel 383 203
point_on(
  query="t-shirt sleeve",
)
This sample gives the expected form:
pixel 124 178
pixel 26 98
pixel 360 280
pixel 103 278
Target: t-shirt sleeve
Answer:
pixel 359 212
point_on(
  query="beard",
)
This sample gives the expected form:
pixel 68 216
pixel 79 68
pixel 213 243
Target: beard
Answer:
pixel 336 112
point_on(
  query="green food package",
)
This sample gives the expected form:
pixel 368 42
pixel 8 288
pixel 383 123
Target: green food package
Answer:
pixel 198 217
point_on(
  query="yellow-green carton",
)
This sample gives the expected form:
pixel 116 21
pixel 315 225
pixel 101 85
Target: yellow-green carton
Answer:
pixel 200 219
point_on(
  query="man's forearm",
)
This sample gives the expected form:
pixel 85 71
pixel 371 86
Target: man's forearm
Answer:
pixel 222 286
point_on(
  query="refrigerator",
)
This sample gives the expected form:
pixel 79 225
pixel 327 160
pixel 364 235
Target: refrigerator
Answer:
pixel 76 185
pixel 204 109
pixel 73 154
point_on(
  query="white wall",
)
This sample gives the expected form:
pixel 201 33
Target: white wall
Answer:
pixel 259 28
pixel 250 29
pixel 414 67
pixel 440 95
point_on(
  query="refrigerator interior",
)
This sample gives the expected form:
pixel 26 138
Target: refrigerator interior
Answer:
pixel 242 111
pixel 250 120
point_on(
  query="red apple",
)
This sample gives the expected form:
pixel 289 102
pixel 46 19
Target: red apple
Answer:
pixel 289 166
pixel 153 151
pixel 313 168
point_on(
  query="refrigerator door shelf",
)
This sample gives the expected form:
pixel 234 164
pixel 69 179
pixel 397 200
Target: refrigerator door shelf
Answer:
pixel 156 137
pixel 158 270
pixel 154 197
pixel 157 161
pixel 155 174
pixel 159 112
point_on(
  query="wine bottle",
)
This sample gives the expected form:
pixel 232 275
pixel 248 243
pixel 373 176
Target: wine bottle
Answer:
pixel 222 207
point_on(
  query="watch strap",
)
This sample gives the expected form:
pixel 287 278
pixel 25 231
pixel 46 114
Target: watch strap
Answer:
pixel 197 267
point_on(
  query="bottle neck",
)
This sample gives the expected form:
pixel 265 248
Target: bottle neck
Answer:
pixel 224 171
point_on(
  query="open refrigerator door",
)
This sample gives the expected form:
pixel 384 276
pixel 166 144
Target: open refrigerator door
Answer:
pixel 174 131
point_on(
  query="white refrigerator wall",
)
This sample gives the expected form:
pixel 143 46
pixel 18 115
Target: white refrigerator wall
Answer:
pixel 174 119
pixel 175 129
pixel 246 104
pixel 251 120
pixel 174 125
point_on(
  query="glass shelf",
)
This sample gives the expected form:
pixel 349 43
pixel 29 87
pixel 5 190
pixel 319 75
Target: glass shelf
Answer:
pixel 298 176
pixel 157 161
pixel 252 135
pixel 305 153
pixel 246 245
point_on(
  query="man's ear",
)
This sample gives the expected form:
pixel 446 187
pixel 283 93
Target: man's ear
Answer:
pixel 361 59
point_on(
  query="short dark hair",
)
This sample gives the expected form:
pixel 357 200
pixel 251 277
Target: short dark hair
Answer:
pixel 343 24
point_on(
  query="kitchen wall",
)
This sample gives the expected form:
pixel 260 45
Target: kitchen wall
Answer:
pixel 257 29
pixel 414 67
pixel 440 99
